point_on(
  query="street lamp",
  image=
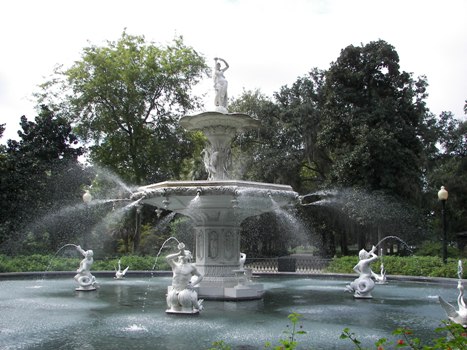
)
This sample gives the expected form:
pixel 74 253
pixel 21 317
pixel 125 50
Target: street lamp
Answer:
pixel 87 197
pixel 443 197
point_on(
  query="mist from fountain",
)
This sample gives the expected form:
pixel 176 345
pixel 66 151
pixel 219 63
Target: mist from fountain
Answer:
pixel 111 176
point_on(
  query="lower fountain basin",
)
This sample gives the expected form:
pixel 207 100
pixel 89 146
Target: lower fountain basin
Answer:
pixel 130 314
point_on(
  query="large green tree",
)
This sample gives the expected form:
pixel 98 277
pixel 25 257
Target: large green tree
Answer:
pixel 374 119
pixel 126 98
pixel 40 175
pixel 301 108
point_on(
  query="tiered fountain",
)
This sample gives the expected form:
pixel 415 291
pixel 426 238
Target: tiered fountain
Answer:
pixel 219 204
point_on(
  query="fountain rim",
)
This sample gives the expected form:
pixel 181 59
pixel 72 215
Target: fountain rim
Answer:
pixel 218 183
pixel 445 281
pixel 209 119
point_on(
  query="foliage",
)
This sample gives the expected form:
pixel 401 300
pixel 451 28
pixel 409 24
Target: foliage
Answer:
pixel 448 167
pixel 288 342
pixel 430 266
pixel 373 121
pixel 456 339
pixel 44 263
pixel 301 107
pixel 126 97
pixel 40 174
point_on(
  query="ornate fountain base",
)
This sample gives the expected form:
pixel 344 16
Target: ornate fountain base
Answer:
pixel 237 292
pixel 217 209
pixel 219 205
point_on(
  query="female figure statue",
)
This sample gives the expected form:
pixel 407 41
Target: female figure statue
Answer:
pixel 220 84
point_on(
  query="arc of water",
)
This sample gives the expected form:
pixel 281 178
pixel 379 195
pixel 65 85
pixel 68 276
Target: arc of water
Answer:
pixel 162 247
pixel 53 257
pixel 397 238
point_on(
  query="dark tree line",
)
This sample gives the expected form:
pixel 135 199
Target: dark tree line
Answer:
pixel 357 137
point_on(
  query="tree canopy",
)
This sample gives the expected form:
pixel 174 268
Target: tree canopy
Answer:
pixel 357 137
pixel 373 121
pixel 125 97
pixel 40 174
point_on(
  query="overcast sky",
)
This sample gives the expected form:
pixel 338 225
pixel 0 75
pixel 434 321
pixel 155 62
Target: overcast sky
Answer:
pixel 267 43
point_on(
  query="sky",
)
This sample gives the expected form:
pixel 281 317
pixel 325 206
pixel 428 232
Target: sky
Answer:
pixel 267 43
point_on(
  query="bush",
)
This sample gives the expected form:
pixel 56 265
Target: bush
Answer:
pixel 429 266
pixel 43 263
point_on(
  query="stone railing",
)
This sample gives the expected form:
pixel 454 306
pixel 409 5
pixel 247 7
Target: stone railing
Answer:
pixel 298 264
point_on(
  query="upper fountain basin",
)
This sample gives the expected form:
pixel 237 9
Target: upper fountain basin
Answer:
pixel 214 198
pixel 206 120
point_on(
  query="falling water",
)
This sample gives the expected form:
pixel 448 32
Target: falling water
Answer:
pixel 292 223
pixel 164 222
pixel 107 174
pixel 115 215
pixel 153 268
pixel 162 247
pixel 396 238
pixel 53 257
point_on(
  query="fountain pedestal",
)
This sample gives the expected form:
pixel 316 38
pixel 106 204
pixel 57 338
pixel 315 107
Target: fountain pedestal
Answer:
pixel 219 205
pixel 217 209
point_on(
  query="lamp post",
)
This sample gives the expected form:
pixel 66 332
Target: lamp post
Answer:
pixel 443 197
pixel 87 197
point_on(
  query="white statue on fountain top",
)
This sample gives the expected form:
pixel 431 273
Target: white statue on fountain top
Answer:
pixel 84 277
pixel 182 297
pixel 220 85
pixel 364 284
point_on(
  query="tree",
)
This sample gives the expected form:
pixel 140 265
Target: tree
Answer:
pixel 447 167
pixel 40 175
pixel 373 121
pixel 301 108
pixel 274 153
pixel 126 97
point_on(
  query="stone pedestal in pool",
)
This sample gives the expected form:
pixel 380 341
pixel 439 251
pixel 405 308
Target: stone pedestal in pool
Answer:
pixel 218 206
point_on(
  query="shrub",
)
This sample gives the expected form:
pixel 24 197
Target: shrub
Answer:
pixel 430 266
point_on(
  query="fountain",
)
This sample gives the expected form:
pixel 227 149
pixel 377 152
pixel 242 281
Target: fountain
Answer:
pixel 217 206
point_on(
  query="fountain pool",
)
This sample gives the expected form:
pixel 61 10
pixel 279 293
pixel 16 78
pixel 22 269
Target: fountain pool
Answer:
pixel 130 314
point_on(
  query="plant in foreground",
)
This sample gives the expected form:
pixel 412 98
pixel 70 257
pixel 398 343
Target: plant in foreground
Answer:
pixel 290 341
pixel 286 343
pixel 455 339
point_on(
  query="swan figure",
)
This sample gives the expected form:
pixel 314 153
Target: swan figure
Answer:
pixel 457 316
pixel 119 274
